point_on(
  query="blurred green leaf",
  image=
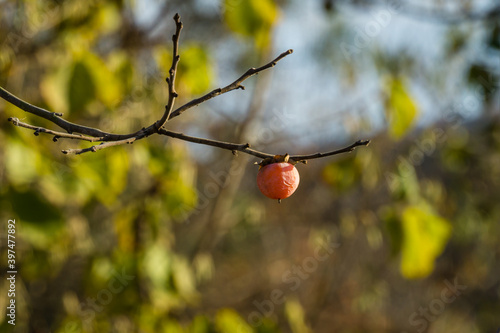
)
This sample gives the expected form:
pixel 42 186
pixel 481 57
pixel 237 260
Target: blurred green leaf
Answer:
pixel 53 88
pixel 174 173
pixel 183 278
pixel 106 18
pixel 268 326
pixel 123 69
pixel 393 228
pixel 81 87
pixel 40 210
pixel 108 87
pixel 404 183
pixel 342 175
pixel 486 78
pixel 62 186
pixel 229 321
pixel 252 18
pixel 195 72
pixel 424 237
pixel 401 109
pixel 21 162
pixel 123 226
pixel 296 317
pixel 158 265
pixel 70 325
pixel 172 326
pixel 180 198
pixel 201 324
pixel 163 58
pixel 495 37
pixel 104 175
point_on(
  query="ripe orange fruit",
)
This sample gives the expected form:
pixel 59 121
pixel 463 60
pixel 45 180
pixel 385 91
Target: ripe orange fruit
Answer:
pixel 278 180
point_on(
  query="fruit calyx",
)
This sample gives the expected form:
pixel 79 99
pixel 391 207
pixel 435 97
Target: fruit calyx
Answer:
pixel 278 159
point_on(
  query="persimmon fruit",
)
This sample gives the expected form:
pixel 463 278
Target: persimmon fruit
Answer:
pixel 278 180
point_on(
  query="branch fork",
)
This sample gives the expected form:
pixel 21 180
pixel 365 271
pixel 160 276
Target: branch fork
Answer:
pixel 84 133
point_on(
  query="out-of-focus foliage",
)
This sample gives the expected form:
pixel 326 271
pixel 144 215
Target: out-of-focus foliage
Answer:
pixel 400 108
pixel 252 18
pixel 128 239
pixel 296 316
pixel 195 71
pixel 90 220
pixel 424 238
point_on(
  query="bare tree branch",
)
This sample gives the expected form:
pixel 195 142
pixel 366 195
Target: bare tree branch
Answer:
pixel 111 139
pixel 233 86
pixel 245 147
pixel 104 145
pixel 55 118
pixel 347 149
pixel 234 147
pixel 129 138
pixel 172 94
pixel 56 134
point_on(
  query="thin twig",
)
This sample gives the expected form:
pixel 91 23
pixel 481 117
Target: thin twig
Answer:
pixel 335 152
pixel 245 147
pixel 111 139
pixel 56 134
pixel 124 138
pixel 233 86
pixel 172 94
pixel 55 118
pixel 104 145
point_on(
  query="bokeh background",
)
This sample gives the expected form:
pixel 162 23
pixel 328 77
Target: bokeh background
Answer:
pixel 169 236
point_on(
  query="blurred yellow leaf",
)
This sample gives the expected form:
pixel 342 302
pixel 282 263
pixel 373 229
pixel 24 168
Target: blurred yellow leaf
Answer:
pixel 401 109
pixel 200 324
pixel 123 226
pixel 21 162
pixel 194 73
pixel 59 181
pixel 296 317
pixel 87 79
pixel 121 65
pixel 107 18
pixel 183 278
pixel 175 175
pixel 117 164
pixel 229 321
pixel 252 18
pixel 109 89
pixel 104 175
pixel 404 184
pixel 157 265
pixel 53 89
pixel 172 326
pixel 163 58
pixel 424 238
